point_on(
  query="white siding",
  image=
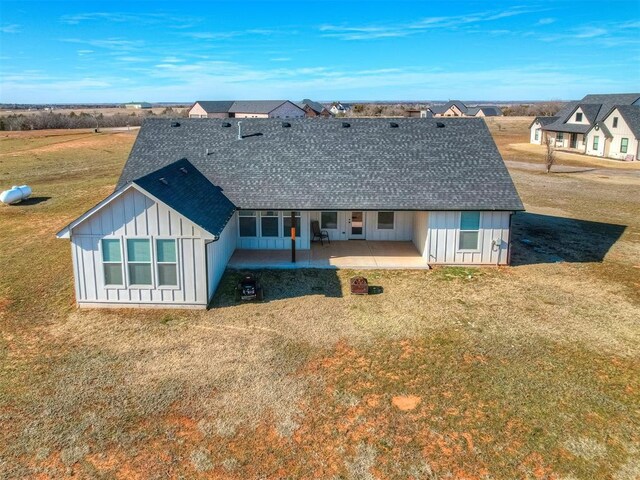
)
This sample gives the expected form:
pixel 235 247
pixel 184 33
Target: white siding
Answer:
pixel 620 132
pixel 420 231
pixel 219 253
pixel 281 242
pixel 132 215
pixel 402 228
pixel 602 142
pixel 534 127
pixel 443 238
pixel 573 120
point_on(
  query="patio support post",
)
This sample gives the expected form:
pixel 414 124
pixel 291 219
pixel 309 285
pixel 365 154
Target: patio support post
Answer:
pixel 293 237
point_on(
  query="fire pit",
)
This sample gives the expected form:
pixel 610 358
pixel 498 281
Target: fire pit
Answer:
pixel 359 286
pixel 248 289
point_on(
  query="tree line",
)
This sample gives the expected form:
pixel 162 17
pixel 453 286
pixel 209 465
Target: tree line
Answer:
pixel 51 120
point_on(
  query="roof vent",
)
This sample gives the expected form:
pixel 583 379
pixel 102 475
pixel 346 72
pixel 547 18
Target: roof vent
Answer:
pixel 183 170
pixel 439 125
pixel 393 125
pixel 286 125
pixel 226 124
pixel 346 124
pixel 163 181
pixel 175 124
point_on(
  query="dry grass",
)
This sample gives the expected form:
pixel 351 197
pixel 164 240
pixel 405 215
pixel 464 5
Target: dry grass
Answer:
pixel 523 372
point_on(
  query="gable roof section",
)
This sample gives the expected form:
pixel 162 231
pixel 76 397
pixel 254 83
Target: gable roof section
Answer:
pixel 315 106
pixel 315 165
pixel 256 106
pixel 631 115
pixel 543 121
pixel 182 188
pixel 221 106
pixel 600 126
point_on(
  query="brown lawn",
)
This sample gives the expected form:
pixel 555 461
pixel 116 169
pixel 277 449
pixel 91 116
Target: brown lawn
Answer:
pixel 530 371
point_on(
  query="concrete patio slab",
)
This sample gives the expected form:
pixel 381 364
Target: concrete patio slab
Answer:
pixel 359 254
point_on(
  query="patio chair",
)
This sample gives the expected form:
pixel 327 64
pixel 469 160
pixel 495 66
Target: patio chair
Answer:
pixel 317 233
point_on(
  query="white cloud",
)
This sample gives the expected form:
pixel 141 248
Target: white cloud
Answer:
pixel 546 21
pixel 12 28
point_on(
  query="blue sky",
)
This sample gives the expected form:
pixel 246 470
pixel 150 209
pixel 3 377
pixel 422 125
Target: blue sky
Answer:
pixel 112 51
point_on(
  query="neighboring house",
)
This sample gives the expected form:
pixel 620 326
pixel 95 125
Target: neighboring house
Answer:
pixel 193 191
pixel 137 105
pixel 535 128
pixel 313 109
pixel 246 109
pixel 210 109
pixel 340 108
pixel 456 108
pixel 587 126
pixel 416 113
pixel 617 135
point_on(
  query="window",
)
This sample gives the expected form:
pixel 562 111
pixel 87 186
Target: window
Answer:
pixel 469 229
pixel 247 223
pixel 269 223
pixel 286 224
pixel 560 137
pixel 624 145
pixel 112 262
pixel 329 220
pixel 139 261
pixel 578 117
pixel 537 134
pixel 385 220
pixel 596 139
pixel 615 122
pixel 167 263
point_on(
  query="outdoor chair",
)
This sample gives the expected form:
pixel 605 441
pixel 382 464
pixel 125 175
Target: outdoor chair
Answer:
pixel 319 234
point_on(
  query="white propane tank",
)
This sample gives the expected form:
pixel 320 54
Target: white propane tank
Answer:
pixel 15 194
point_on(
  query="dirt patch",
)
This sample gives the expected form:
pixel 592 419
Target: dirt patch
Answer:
pixel 406 403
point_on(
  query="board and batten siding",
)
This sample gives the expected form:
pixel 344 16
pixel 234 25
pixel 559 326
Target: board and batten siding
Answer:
pixel 420 231
pixel 219 253
pixel 134 215
pixel 444 233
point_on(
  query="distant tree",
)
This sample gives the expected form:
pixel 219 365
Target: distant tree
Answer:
pixel 550 154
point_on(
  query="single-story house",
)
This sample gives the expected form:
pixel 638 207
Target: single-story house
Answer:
pixel 194 191
pixel 418 113
pixel 210 109
pixel 246 109
pixel 456 108
pixel 137 105
pixel 314 109
pixel 577 125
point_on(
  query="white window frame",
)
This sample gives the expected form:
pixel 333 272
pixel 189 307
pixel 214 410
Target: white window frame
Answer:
pixel 596 142
pixel 536 134
pixel 460 230
pixel 276 216
pixel 393 225
pixel 626 147
pixel 121 262
pixel 255 218
pixel 157 262
pixel 581 116
pixel 152 285
pixel 324 227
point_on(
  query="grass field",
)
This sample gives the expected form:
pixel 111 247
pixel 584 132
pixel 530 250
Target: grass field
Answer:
pixel 530 371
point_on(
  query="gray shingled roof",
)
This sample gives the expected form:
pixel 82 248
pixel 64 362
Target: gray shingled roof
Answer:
pixel 603 128
pixel 322 165
pixel 631 115
pixel 188 192
pixel 590 105
pixel 221 106
pixel 315 106
pixel 543 121
pixel 256 106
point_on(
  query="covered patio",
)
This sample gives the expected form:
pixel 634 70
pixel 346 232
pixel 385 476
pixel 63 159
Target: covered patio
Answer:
pixel 360 254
